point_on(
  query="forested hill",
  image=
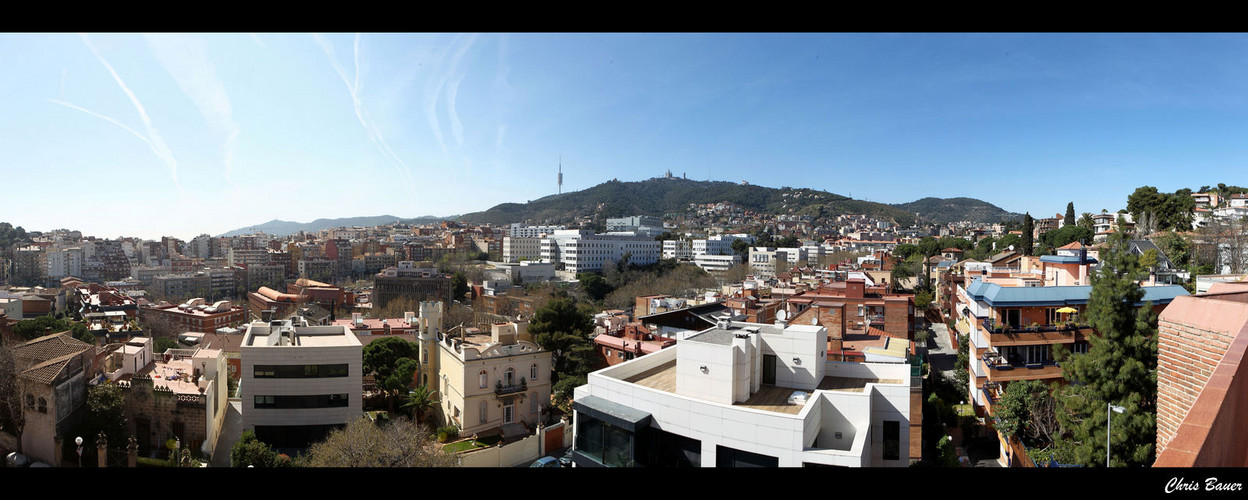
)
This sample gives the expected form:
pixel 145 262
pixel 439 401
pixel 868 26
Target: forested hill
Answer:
pixel 662 196
pixel 946 210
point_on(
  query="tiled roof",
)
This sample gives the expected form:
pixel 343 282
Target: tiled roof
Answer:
pixel 1021 296
pixel 46 372
pixel 48 347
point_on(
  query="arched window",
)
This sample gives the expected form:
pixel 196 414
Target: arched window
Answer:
pixel 484 378
pixel 533 372
pixel 30 401
pixel 43 405
pixel 509 377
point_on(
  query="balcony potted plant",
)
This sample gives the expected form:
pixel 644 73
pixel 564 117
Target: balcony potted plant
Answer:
pixel 1034 327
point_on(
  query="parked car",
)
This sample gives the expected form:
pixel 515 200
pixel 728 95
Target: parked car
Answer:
pixel 546 462
pixel 16 459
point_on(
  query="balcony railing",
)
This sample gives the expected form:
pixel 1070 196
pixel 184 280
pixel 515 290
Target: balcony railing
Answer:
pixel 994 327
pixel 995 361
pixel 500 389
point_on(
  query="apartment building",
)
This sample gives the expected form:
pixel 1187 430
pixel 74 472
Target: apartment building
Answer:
pixel 516 249
pixel 411 282
pixel 299 382
pixel 741 395
pixel 580 250
pixel 195 315
pixel 497 382
pixel 526 231
pixel 1014 319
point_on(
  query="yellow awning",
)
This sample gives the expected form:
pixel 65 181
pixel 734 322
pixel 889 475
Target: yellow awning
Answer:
pixel 1067 310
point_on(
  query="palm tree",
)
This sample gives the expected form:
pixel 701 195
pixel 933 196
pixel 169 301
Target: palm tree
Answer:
pixel 420 401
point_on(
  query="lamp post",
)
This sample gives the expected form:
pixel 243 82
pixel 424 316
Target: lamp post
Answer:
pixel 78 441
pixel 1115 409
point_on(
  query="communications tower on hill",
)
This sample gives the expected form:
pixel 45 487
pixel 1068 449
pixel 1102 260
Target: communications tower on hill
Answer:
pixel 560 175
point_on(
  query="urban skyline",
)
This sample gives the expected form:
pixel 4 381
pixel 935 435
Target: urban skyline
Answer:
pixel 150 135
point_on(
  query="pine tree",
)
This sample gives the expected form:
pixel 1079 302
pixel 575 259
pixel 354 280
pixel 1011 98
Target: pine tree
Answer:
pixel 1070 214
pixel 1119 367
pixel 1029 225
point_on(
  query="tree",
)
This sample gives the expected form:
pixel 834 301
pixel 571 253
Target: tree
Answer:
pixel 459 285
pixel 163 344
pixel 11 417
pixel 1070 214
pixel 106 412
pixel 1119 367
pixel 902 270
pixel 905 250
pixel 740 247
pixel 924 300
pixel 419 401
pixel 1085 220
pixel 1065 235
pixel 594 286
pixel 1027 412
pixel 397 443
pixel 1029 226
pixel 393 361
pixel 961 374
pixel 563 329
pixel 249 451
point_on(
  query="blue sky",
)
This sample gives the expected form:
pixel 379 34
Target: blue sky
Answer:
pixel 137 135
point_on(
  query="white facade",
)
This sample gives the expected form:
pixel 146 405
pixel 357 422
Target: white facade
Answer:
pixel 516 249
pixel 65 262
pixel 523 231
pixel 583 251
pixel 718 373
pixel 716 263
pixel 678 249
pixel 297 381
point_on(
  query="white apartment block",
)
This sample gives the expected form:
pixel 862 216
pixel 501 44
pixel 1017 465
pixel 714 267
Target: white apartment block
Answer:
pixel 583 251
pixel 716 263
pixel 299 382
pixel 744 394
pixel 524 231
pixel 65 262
pixel 516 249
pixel 767 261
pixel 678 249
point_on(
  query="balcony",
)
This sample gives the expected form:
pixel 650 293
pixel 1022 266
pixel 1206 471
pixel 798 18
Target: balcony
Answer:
pixel 1000 369
pixel 503 390
pixel 1000 335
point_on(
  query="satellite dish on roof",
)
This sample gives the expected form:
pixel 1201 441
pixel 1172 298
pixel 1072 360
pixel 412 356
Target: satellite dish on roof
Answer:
pixel 782 315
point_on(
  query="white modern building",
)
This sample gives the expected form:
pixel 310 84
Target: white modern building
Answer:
pixel 516 249
pixel 744 394
pixel 299 382
pixel 581 250
pixel 524 231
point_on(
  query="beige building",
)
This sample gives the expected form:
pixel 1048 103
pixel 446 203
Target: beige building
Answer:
pixel 496 382
pixel 52 373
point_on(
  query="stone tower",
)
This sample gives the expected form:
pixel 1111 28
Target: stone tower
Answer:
pixel 430 328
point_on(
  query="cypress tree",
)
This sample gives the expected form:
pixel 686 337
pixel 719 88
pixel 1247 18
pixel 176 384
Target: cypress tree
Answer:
pixel 1070 214
pixel 1029 225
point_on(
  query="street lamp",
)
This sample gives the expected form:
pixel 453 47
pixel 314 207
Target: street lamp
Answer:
pixel 1116 409
pixel 78 441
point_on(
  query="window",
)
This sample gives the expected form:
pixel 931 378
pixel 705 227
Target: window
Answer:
pixel 533 372
pixel 300 371
pixel 509 377
pixel 892 440
pixel 43 405
pixel 483 379
pixel 30 401
pixel 305 401
pixel 484 412
pixel 533 403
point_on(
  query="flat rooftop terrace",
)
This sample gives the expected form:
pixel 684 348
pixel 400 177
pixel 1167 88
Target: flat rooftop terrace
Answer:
pixel 772 398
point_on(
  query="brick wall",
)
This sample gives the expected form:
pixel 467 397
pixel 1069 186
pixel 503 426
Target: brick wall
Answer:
pixel 1193 335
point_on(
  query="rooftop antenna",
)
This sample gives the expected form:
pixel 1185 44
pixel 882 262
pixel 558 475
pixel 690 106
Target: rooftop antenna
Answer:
pixel 560 174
